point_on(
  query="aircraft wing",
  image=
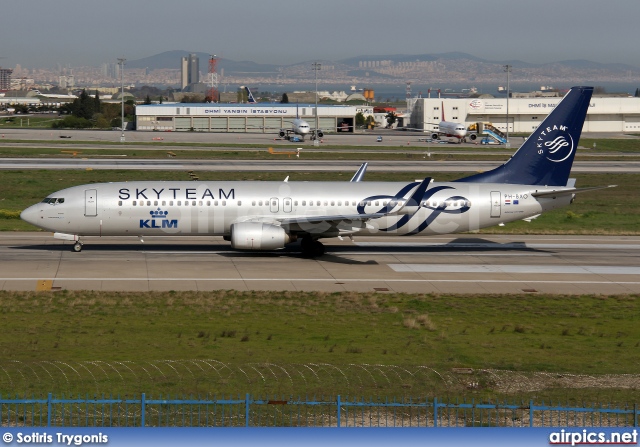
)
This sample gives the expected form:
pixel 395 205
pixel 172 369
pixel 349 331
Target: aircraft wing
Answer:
pixel 568 191
pixel 324 224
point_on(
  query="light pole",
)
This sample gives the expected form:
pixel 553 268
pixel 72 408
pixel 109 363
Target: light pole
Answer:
pixel 121 62
pixel 507 68
pixel 316 67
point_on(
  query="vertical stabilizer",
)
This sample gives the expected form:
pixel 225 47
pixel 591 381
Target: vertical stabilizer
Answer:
pixel 546 157
pixel 250 98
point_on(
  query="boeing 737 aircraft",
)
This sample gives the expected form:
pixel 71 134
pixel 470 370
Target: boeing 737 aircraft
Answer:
pixel 300 127
pixel 450 129
pixel 256 215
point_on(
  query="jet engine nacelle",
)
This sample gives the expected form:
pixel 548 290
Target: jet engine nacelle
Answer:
pixel 320 133
pixel 434 136
pixel 258 236
pixel 473 136
pixel 282 133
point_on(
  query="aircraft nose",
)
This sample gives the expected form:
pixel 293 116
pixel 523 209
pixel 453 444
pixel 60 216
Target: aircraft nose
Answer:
pixel 31 214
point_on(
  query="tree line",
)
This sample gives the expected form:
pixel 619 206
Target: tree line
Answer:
pixel 90 112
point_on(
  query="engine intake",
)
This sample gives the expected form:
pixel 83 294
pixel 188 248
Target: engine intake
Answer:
pixel 258 236
pixel 320 133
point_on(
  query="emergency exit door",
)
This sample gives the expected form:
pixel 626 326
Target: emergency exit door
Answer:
pixel 495 203
pixel 90 202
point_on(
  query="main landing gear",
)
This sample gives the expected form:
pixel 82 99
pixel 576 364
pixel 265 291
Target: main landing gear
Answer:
pixel 312 248
pixel 77 247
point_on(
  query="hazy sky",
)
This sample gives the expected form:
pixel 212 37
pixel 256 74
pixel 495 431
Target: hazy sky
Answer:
pixel 41 33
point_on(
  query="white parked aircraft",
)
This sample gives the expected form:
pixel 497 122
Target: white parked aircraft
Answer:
pixel 450 129
pixel 301 128
pixel 256 215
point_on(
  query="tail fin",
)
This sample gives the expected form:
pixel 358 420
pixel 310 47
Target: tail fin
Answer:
pixel 547 155
pixel 250 98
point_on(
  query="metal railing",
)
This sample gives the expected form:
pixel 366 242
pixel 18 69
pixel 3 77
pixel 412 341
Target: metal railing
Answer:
pixel 247 411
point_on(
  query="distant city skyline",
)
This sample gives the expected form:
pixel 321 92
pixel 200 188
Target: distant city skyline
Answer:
pixel 42 34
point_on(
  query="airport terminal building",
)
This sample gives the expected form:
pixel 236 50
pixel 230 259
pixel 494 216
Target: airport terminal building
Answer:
pixel 605 114
pixel 260 118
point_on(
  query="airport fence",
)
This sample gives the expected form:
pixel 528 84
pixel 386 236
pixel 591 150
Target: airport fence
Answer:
pixel 337 411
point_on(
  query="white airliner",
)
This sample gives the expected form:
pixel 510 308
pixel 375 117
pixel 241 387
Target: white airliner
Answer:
pixel 301 128
pixel 256 215
pixel 450 129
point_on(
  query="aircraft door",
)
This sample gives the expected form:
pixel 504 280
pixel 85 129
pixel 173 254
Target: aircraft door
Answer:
pixel 274 204
pixel 495 203
pixel 286 204
pixel 90 202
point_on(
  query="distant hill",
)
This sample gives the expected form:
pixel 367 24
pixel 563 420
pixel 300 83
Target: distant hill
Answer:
pixel 171 59
pixel 440 67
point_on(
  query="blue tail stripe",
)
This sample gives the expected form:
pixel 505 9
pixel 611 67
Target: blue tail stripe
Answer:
pixel 547 155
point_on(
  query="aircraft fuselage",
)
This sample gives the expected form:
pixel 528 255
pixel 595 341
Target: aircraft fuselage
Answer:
pixel 210 208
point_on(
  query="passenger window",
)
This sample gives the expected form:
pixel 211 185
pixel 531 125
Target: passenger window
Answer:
pixel 200 203
pixel 120 203
pixel 193 203
pixel 179 202
pixel 224 203
pixel 164 203
pixel 133 203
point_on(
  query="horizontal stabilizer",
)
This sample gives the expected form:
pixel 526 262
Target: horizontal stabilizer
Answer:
pixel 565 192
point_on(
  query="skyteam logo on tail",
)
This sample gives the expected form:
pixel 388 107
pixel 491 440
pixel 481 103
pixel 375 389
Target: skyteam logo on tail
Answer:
pixel 555 143
pixel 158 220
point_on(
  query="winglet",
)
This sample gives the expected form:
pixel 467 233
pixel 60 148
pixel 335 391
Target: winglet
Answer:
pixel 359 175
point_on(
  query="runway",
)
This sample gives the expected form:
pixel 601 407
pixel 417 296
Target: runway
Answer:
pixel 467 264
pixel 418 164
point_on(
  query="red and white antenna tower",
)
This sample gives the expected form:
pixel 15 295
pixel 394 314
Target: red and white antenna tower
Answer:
pixel 213 93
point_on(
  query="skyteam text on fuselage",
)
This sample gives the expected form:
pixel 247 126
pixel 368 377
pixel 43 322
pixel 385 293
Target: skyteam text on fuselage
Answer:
pixel 255 215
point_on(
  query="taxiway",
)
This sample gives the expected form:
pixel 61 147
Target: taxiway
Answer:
pixel 468 264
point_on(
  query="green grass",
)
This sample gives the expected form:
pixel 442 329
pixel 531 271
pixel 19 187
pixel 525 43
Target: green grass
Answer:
pixel 260 342
pixel 31 122
pixel 613 211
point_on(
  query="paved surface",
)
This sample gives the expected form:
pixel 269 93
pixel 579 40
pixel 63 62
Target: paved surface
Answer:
pixel 293 164
pixel 391 138
pixel 464 264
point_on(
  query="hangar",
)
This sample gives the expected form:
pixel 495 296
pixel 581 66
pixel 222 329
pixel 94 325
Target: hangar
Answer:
pixel 261 118
pixel 605 114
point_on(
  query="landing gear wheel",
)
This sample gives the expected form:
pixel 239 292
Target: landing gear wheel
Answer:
pixel 317 249
pixel 312 248
pixel 77 247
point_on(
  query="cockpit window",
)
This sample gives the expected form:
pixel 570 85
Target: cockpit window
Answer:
pixel 53 200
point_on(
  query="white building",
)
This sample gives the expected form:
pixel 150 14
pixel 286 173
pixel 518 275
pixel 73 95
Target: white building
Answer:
pixel 262 118
pixel 605 114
